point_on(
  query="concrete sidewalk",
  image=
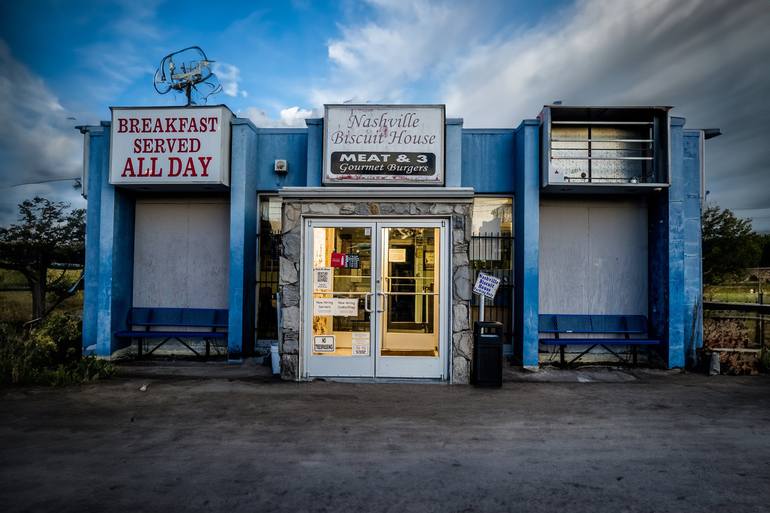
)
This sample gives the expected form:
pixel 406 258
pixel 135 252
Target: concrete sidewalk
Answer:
pixel 208 437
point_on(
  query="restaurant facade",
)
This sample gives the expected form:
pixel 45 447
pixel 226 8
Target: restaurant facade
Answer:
pixel 354 243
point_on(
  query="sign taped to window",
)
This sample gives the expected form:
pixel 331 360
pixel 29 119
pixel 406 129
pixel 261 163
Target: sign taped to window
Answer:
pixel 360 344
pixel 397 255
pixel 324 344
pixel 345 307
pixel 323 306
pixel 322 279
pixel 336 306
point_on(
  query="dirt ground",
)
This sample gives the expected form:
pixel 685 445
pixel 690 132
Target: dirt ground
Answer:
pixel 205 437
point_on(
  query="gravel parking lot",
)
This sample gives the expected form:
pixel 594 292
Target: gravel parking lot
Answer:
pixel 205 437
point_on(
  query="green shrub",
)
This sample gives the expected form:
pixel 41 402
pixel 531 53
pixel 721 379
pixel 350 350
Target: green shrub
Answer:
pixel 84 370
pixel 62 335
pixel 21 360
pixel 50 355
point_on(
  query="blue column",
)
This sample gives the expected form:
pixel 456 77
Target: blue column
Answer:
pixel 527 242
pixel 96 150
pixel 693 272
pixel 676 243
pixel 454 152
pixel 243 240
pixel 112 210
pixel 315 138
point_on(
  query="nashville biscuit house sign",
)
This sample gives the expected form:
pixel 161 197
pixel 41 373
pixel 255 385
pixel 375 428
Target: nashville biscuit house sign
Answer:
pixel 170 146
pixel 384 144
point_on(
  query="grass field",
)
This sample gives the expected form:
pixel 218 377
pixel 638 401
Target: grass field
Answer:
pixel 16 305
pixel 736 293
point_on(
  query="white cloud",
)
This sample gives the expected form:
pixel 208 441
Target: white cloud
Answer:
pixel 37 140
pixel 229 76
pixel 291 117
pixel 708 58
pixel 404 43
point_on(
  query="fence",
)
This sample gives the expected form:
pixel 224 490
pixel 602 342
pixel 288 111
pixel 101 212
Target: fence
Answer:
pixel 266 326
pixel 493 254
pixel 736 325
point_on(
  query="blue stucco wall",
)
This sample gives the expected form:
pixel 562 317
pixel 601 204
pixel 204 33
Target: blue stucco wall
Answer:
pixel 693 267
pixel 243 238
pixel 488 161
pixel 97 144
pixel 527 225
pixel 109 251
pixel 314 159
pixel 676 199
pixel 281 143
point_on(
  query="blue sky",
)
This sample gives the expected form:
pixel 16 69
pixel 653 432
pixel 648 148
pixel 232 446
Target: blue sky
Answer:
pixel 492 62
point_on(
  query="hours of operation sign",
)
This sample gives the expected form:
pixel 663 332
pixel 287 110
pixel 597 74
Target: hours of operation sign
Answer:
pixel 384 144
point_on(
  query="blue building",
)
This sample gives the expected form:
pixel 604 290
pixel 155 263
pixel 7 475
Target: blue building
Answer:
pixel 355 242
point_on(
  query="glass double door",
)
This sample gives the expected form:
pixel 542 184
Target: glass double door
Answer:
pixel 374 298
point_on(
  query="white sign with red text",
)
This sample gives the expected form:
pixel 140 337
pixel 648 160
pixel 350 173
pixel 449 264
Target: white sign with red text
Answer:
pixel 170 146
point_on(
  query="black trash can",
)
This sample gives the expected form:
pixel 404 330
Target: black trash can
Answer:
pixel 487 369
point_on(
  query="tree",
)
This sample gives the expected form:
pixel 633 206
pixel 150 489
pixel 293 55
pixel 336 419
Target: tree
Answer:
pixel 764 261
pixel 729 245
pixel 47 233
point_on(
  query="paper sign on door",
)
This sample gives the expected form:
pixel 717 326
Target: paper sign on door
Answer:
pixel 346 307
pixel 360 345
pixel 322 279
pixel 324 344
pixel 341 307
pixel 323 306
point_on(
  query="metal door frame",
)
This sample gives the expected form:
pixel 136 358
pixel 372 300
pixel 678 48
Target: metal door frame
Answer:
pixel 412 367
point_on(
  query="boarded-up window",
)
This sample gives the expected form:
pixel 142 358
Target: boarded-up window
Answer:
pixel 593 256
pixel 181 253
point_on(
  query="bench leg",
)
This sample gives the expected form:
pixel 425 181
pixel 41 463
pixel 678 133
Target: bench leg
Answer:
pixel 561 355
pixel 578 357
pixel 187 346
pixel 139 344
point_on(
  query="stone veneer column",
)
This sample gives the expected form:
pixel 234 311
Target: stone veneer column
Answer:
pixel 458 211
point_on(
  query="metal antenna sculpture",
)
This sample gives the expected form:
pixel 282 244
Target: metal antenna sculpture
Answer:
pixel 187 70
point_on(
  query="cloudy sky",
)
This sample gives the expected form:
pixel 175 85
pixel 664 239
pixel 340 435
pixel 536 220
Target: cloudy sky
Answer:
pixel 494 63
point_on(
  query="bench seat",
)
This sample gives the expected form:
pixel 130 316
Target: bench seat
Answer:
pixel 629 326
pixel 172 334
pixel 167 323
pixel 599 341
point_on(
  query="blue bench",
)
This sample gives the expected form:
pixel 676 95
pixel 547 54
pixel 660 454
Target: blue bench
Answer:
pixel 630 330
pixel 175 324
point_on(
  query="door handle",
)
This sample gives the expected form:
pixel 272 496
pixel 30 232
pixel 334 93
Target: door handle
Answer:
pixel 376 303
pixel 367 306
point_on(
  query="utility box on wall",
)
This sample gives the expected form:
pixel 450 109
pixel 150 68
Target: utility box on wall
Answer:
pixel 604 149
